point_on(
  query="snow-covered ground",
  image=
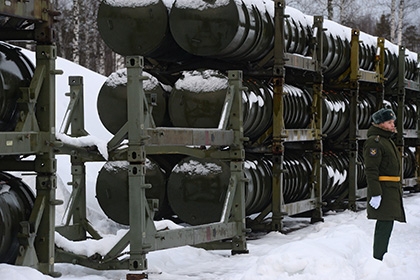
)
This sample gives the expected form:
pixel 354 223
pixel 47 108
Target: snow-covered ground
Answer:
pixel 338 248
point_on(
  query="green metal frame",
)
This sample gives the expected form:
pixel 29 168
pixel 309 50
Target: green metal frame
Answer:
pixel 76 225
pixel 34 134
pixel 354 127
pixel 358 75
pixel 278 208
pixel 40 13
pixel 278 121
pixel 401 91
pixel 37 235
pixel 316 178
pixel 144 138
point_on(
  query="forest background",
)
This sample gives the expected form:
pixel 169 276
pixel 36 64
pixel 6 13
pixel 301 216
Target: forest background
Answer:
pixel 78 38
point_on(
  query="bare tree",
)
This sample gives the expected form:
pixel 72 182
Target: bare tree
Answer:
pixel 309 7
pixel 393 21
pixel 330 9
pixel 75 24
pixel 341 11
pixel 400 22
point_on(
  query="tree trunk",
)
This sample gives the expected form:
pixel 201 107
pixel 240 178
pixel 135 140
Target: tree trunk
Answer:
pixel 75 43
pixel 400 21
pixel 393 25
pixel 330 9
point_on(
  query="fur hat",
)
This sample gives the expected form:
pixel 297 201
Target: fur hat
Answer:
pixel 383 115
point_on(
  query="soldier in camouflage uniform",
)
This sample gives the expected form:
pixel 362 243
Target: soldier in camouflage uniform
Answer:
pixel 383 170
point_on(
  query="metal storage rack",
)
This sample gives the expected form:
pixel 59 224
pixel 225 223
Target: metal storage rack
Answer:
pixel 278 208
pixel 144 138
pixel 35 135
pixel 314 135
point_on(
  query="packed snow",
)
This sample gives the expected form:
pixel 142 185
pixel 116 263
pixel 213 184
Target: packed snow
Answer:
pixel 202 81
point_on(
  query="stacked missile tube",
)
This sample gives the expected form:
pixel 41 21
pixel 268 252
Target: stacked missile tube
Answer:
pixel 183 106
pixel 196 100
pixel 218 35
pixel 112 189
pixel 241 32
pixel 16 197
pixel 16 70
pixel 112 97
pixel 16 203
pixel 234 31
pixel 195 187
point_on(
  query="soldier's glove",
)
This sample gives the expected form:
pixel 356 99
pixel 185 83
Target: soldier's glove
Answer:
pixel 375 201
